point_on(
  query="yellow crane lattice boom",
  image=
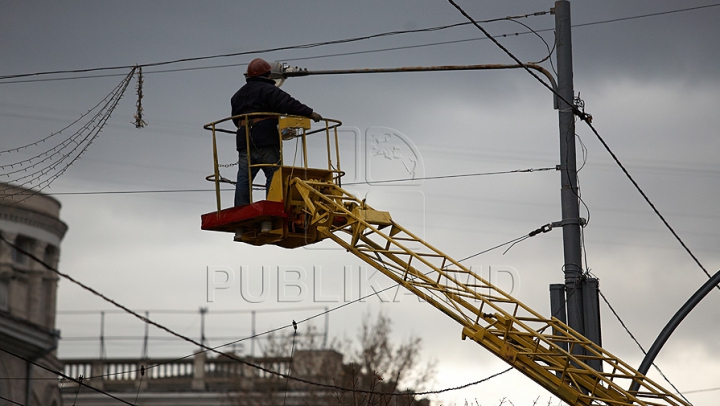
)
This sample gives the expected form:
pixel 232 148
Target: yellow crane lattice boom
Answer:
pixel 306 204
pixel 528 341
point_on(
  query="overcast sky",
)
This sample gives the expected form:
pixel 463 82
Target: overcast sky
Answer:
pixel 651 84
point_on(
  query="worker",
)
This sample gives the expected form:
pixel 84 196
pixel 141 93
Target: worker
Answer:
pixel 259 94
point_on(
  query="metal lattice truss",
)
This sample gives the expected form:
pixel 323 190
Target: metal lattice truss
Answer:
pixel 531 343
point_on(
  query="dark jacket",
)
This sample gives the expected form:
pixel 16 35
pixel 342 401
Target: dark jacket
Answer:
pixel 260 94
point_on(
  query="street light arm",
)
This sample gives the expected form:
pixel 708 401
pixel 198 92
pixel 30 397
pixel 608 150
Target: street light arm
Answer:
pixel 296 72
pixel 667 331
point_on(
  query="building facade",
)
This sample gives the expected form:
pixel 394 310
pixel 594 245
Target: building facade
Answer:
pixel 231 381
pixel 30 221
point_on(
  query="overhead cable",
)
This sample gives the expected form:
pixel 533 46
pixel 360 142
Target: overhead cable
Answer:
pixel 207 348
pixel 627 330
pixel 305 46
pixel 79 381
pixel 282 48
pixel 11 401
pixel 120 192
pixel 587 118
pixel 648 201
pixel 41 170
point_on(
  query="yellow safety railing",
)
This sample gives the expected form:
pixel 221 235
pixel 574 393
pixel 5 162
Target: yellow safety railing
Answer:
pixel 289 127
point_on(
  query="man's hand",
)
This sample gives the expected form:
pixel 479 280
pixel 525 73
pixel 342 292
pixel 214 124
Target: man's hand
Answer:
pixel 315 117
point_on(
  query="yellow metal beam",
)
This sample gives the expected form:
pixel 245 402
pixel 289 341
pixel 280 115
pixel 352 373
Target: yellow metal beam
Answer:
pixel 502 324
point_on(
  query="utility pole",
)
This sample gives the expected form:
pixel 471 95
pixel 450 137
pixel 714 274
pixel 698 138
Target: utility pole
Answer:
pixel 580 298
pixel 574 302
pixel 568 167
pixel 252 333
pixel 103 354
pixel 145 337
pixel 203 311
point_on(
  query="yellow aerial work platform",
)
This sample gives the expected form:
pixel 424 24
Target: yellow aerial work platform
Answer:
pixel 279 219
pixel 305 205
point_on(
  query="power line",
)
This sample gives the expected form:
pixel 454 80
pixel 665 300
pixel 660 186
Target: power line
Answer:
pixel 627 330
pixel 205 347
pixel 327 311
pixel 549 168
pixel 174 311
pixel 153 323
pixel 587 119
pixel 702 390
pixel 332 55
pixel 47 166
pixel 659 13
pixel 120 192
pixel 430 29
pixel 454 176
pixel 647 200
pixel 282 48
pixel 78 381
pixel 11 401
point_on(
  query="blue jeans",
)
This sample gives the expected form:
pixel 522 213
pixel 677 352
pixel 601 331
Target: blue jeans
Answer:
pixel 258 155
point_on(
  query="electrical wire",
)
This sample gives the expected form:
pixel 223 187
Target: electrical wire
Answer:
pixel 142 375
pixel 59 158
pixel 327 311
pixel 339 54
pixel 79 381
pixel 627 330
pixel 547 46
pixel 662 13
pixel 292 352
pixel 203 346
pixel 283 48
pixel 587 119
pixel 111 192
pixel 702 390
pixel 584 150
pixel 174 311
pixel 529 170
pixel 648 201
pixel 26 146
pixel 545 228
pixel 332 55
pixel 11 401
pixel 659 13
pixel 513 241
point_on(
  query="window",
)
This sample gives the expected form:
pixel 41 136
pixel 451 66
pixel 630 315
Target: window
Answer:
pixel 25 244
pixel 51 254
pixel 4 293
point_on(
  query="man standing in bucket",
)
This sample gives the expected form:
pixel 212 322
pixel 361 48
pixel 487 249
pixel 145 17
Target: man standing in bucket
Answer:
pixel 259 94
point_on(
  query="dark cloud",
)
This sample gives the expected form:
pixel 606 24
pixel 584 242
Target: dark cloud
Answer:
pixel 650 83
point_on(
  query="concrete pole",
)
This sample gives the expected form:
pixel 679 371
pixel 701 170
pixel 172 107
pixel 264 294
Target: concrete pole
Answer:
pixel 203 310
pixel 103 354
pixel 568 170
pixel 327 327
pixel 557 309
pixel 252 333
pixel 145 338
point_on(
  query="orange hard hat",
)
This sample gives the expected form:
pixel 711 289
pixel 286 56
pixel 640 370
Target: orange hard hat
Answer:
pixel 257 67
